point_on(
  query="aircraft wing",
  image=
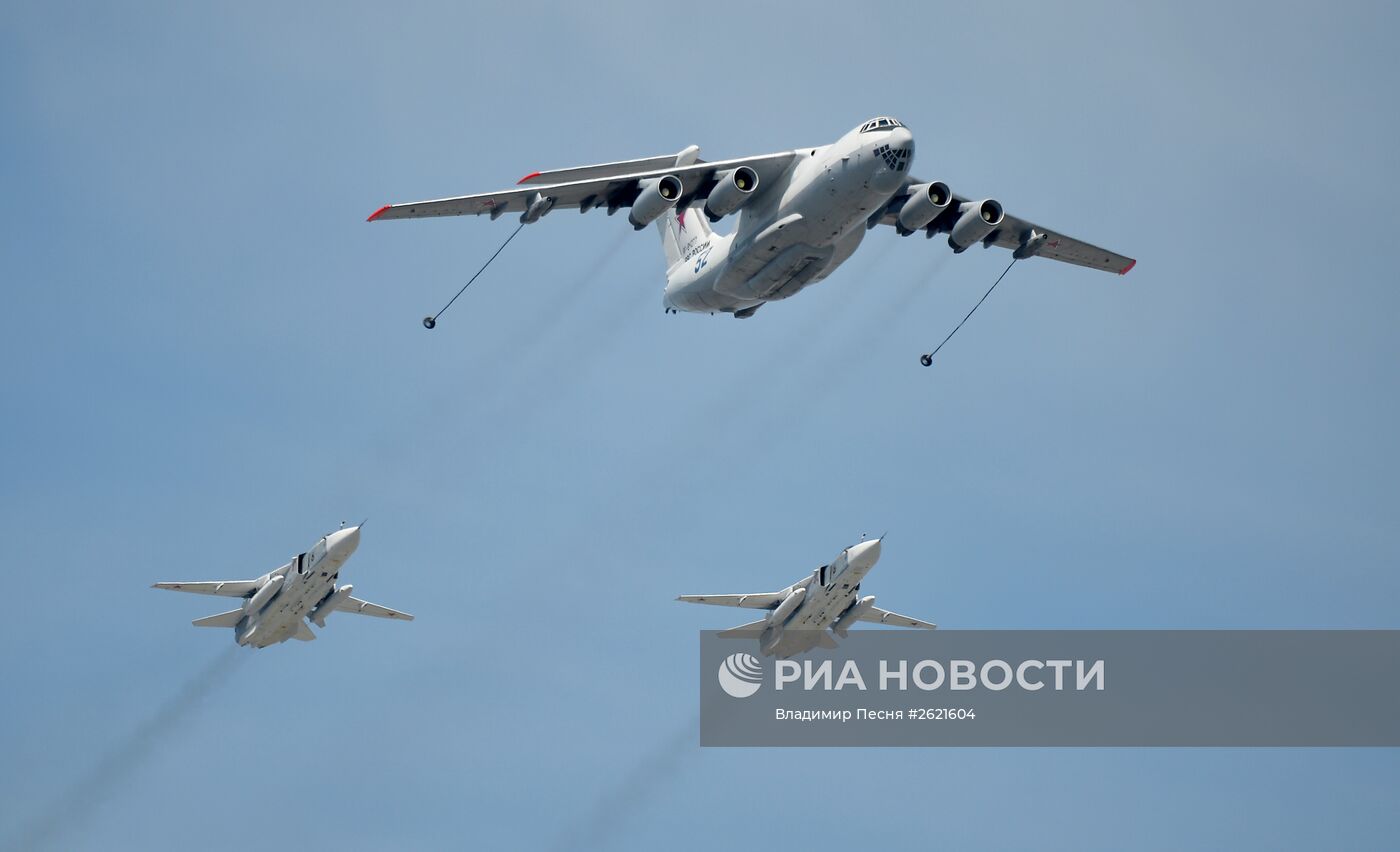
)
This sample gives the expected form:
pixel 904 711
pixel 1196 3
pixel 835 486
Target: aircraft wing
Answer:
pixel 884 616
pixel 762 600
pixel 222 588
pixel 611 185
pixel 1015 232
pixel 367 608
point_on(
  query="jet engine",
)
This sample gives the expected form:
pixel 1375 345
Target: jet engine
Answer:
pixel 264 594
pixel 976 222
pixel 787 607
pixel 328 605
pixel 658 195
pixel 852 615
pixel 733 191
pixel 926 201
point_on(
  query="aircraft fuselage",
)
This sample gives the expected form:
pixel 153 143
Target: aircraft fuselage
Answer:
pixel 797 232
pixel 307 581
pixel 828 593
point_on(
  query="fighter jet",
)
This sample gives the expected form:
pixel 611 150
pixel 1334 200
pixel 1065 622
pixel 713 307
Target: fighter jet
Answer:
pixel 276 604
pixel 801 214
pixel 800 615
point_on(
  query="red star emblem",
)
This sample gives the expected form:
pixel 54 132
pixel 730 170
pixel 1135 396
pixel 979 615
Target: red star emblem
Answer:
pixel 680 217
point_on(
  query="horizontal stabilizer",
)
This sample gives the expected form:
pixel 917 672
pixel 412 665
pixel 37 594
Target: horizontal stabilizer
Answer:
pixel 366 608
pixel 884 616
pixel 744 631
pixel 223 619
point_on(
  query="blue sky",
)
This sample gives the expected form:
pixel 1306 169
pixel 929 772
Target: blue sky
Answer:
pixel 209 359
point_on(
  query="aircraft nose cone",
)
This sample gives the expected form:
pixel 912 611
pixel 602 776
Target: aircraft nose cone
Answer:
pixel 342 543
pixel 866 553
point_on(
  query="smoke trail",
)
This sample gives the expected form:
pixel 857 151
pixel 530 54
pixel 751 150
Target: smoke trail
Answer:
pixel 604 821
pixel 835 366
pixel 70 810
pixel 561 307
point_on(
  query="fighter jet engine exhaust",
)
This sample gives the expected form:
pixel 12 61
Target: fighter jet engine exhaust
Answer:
pixel 87 794
pixel 658 195
pixel 733 191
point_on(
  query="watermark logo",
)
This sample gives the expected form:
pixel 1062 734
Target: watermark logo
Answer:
pixel 740 675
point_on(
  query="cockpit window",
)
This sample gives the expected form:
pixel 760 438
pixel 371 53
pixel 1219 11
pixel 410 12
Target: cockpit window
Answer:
pixel 882 123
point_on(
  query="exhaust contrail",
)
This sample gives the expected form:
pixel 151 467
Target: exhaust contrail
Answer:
pixel 78 803
pixel 603 823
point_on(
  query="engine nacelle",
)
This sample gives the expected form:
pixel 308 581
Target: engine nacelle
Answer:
pixel 733 191
pixel 926 201
pixel 852 615
pixel 787 607
pixel 658 195
pixel 329 604
pixel 264 594
pixel 976 222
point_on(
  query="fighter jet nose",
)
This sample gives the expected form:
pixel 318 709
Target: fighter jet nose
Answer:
pixel 866 553
pixel 343 542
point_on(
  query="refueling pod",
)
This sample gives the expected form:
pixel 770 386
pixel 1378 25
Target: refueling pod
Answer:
pixel 976 222
pixel 535 208
pixel 733 191
pixel 658 195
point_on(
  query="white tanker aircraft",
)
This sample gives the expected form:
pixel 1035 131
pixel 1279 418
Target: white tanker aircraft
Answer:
pixel 801 214
pixel 276 604
pixel 800 615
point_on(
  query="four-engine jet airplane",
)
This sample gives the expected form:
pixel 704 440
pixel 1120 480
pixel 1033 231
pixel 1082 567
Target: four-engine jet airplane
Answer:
pixel 276 604
pixel 803 213
pixel 800 615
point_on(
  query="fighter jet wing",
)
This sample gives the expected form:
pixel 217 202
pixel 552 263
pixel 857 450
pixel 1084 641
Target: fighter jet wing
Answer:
pixel 884 616
pixel 611 185
pixel 1015 233
pixel 762 600
pixel 367 608
pixel 222 588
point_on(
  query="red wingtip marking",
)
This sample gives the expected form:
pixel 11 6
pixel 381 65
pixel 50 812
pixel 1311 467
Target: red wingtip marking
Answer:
pixel 1124 270
pixel 375 214
pixel 527 177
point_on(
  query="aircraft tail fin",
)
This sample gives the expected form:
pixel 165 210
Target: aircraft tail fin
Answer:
pixel 223 619
pixel 683 229
pixel 304 632
pixel 683 233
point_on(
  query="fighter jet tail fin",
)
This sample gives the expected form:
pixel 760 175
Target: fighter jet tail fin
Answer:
pixel 223 619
